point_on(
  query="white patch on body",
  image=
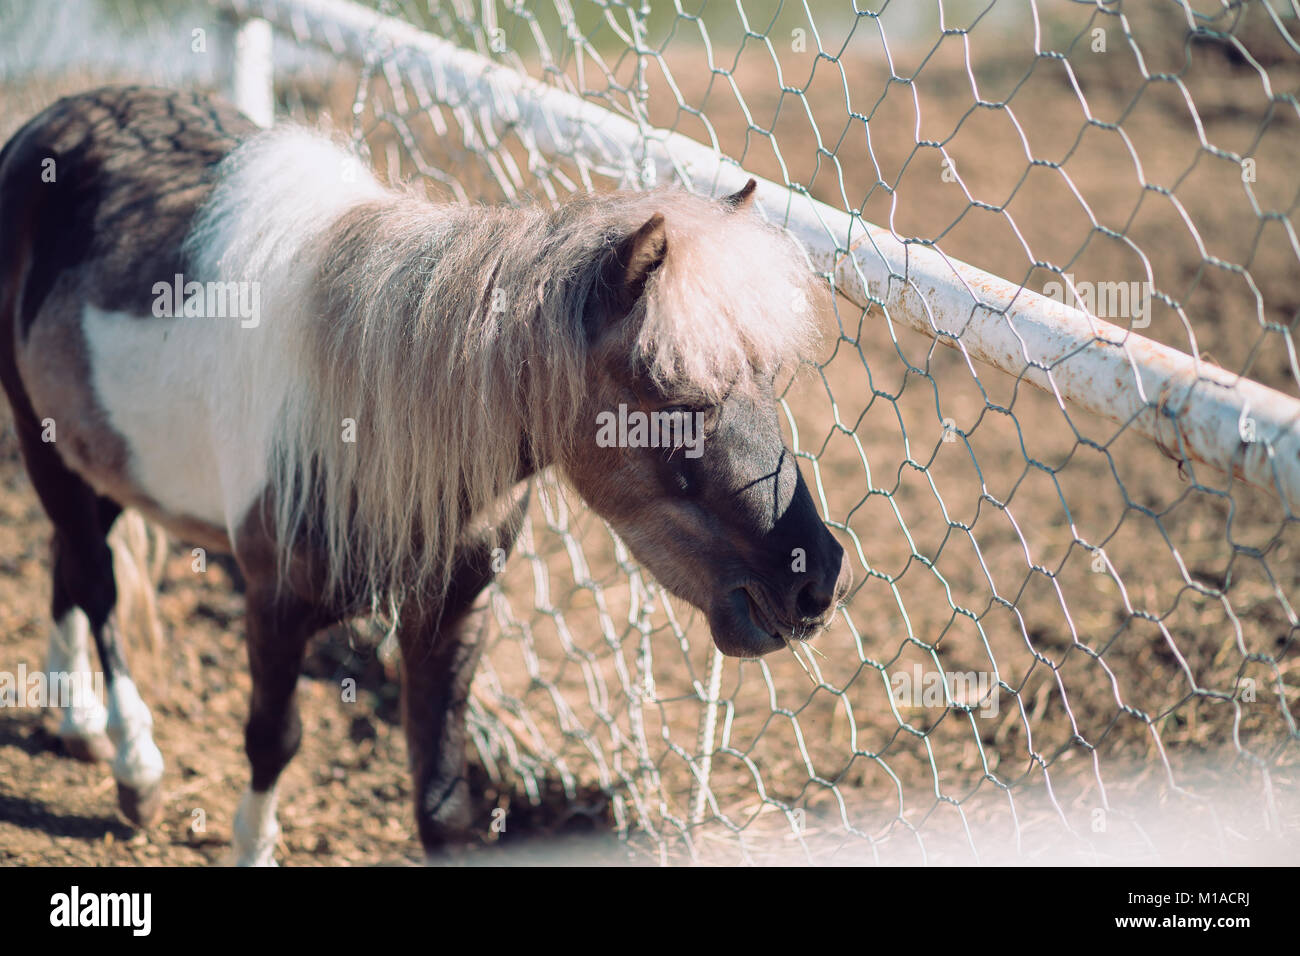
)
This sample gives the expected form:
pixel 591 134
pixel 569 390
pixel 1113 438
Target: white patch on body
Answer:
pixel 151 378
pixel 69 653
pixel 138 763
pixel 197 399
pixel 256 829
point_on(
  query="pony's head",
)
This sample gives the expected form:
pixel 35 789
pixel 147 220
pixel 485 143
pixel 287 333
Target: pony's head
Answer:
pixel 694 307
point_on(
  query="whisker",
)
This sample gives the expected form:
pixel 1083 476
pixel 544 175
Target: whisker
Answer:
pixel 817 675
pixel 790 644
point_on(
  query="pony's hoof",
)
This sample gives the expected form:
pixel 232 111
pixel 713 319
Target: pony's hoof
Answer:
pixel 140 805
pixel 90 748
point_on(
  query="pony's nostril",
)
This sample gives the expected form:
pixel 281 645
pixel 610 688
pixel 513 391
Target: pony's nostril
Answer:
pixel 812 601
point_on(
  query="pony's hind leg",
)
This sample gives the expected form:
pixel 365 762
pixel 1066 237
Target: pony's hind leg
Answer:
pixel 83 584
pixel 81 729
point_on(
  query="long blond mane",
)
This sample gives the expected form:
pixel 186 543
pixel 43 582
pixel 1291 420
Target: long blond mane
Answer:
pixel 453 337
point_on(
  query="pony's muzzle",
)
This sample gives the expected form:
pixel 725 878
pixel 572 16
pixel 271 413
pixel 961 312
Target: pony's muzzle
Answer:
pixel 750 621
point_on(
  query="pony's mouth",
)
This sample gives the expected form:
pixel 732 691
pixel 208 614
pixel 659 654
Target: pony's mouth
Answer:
pixel 760 616
pixel 743 624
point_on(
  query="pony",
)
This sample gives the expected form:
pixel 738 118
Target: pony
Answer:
pixel 347 387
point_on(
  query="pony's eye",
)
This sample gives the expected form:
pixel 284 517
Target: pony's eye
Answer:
pixel 702 416
pixel 686 426
pixel 679 477
pixel 676 410
pixel 682 446
pixel 680 473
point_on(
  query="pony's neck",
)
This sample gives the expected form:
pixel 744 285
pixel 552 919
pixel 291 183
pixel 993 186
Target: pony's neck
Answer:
pixel 447 342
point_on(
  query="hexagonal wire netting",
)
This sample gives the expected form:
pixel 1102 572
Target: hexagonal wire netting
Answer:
pixel 1065 640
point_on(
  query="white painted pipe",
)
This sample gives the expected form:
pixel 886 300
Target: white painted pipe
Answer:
pixel 706 739
pixel 251 78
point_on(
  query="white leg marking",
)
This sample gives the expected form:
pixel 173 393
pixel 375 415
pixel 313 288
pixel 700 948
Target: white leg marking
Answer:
pixel 139 763
pixel 256 829
pixel 69 653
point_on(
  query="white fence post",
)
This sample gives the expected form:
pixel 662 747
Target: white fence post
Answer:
pixel 706 740
pixel 249 80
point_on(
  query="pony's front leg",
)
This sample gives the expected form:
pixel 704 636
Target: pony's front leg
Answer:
pixel 441 644
pixel 438 663
pixel 279 626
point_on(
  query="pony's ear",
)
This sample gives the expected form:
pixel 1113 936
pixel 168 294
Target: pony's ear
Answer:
pixel 739 200
pixel 629 267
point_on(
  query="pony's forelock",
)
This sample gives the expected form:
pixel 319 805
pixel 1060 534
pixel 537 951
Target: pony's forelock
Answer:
pixel 734 300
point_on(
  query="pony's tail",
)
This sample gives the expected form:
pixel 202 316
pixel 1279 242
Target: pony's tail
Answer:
pixel 139 554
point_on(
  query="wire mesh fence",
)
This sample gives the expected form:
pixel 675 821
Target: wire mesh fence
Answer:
pixel 1066 640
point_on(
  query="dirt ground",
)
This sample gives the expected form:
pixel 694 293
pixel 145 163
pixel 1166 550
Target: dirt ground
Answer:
pixel 1157 698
